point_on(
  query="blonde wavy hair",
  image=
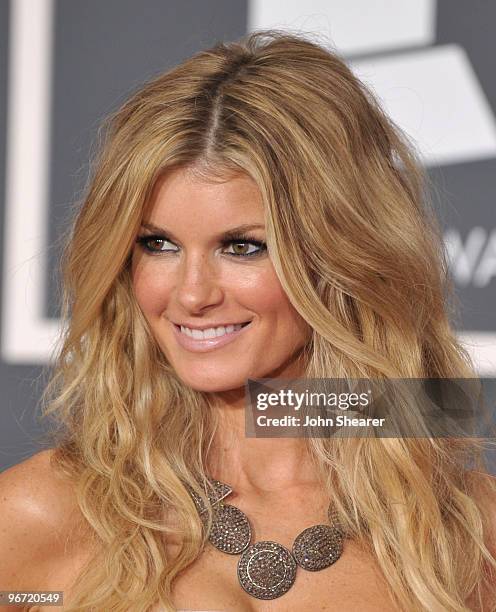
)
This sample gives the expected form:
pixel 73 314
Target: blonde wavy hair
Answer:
pixel 355 246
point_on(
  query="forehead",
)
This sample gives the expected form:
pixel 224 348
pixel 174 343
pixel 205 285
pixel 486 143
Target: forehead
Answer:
pixel 180 195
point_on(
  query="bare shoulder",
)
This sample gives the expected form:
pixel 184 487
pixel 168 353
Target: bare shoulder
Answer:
pixel 39 510
pixel 37 490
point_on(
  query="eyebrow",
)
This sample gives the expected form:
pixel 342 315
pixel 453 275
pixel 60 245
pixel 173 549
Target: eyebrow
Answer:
pixel 227 235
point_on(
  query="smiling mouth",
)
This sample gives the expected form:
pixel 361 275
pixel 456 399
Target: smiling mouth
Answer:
pixel 211 332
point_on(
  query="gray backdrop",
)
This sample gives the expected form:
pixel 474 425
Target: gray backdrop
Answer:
pixel 102 51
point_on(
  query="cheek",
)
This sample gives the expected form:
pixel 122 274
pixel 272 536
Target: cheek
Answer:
pixel 271 300
pixel 258 290
pixel 151 290
pixel 254 288
pixel 269 294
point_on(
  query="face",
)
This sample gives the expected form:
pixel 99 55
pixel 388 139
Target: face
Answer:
pixel 206 285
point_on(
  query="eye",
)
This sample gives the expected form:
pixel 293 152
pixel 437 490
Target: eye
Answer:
pixel 241 248
pixel 155 244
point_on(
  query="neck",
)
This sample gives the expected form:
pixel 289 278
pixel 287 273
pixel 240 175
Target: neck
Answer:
pixel 256 465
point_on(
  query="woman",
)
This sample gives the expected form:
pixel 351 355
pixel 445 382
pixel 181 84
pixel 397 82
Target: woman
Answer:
pixel 253 214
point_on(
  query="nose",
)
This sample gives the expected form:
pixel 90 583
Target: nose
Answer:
pixel 198 283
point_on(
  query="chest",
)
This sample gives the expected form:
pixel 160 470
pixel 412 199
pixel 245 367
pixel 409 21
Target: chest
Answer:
pixel 61 575
pixel 352 583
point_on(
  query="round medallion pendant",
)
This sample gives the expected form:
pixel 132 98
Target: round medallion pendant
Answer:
pixel 318 547
pixel 266 570
pixel 231 531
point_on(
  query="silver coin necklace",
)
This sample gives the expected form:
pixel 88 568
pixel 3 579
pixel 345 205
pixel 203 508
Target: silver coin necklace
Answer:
pixel 267 569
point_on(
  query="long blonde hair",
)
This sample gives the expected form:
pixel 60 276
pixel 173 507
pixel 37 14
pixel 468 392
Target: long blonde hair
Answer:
pixel 356 249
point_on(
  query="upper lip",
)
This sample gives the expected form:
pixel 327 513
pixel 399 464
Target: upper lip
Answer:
pixel 207 326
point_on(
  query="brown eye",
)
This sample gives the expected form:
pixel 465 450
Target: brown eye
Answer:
pixel 242 248
pixel 155 244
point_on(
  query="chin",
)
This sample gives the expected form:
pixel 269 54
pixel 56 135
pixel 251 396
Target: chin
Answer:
pixel 211 383
pixel 212 386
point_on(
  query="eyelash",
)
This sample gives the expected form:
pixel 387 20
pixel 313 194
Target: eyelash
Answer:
pixel 241 239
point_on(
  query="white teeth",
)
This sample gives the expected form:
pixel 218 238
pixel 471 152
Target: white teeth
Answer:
pixel 211 332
